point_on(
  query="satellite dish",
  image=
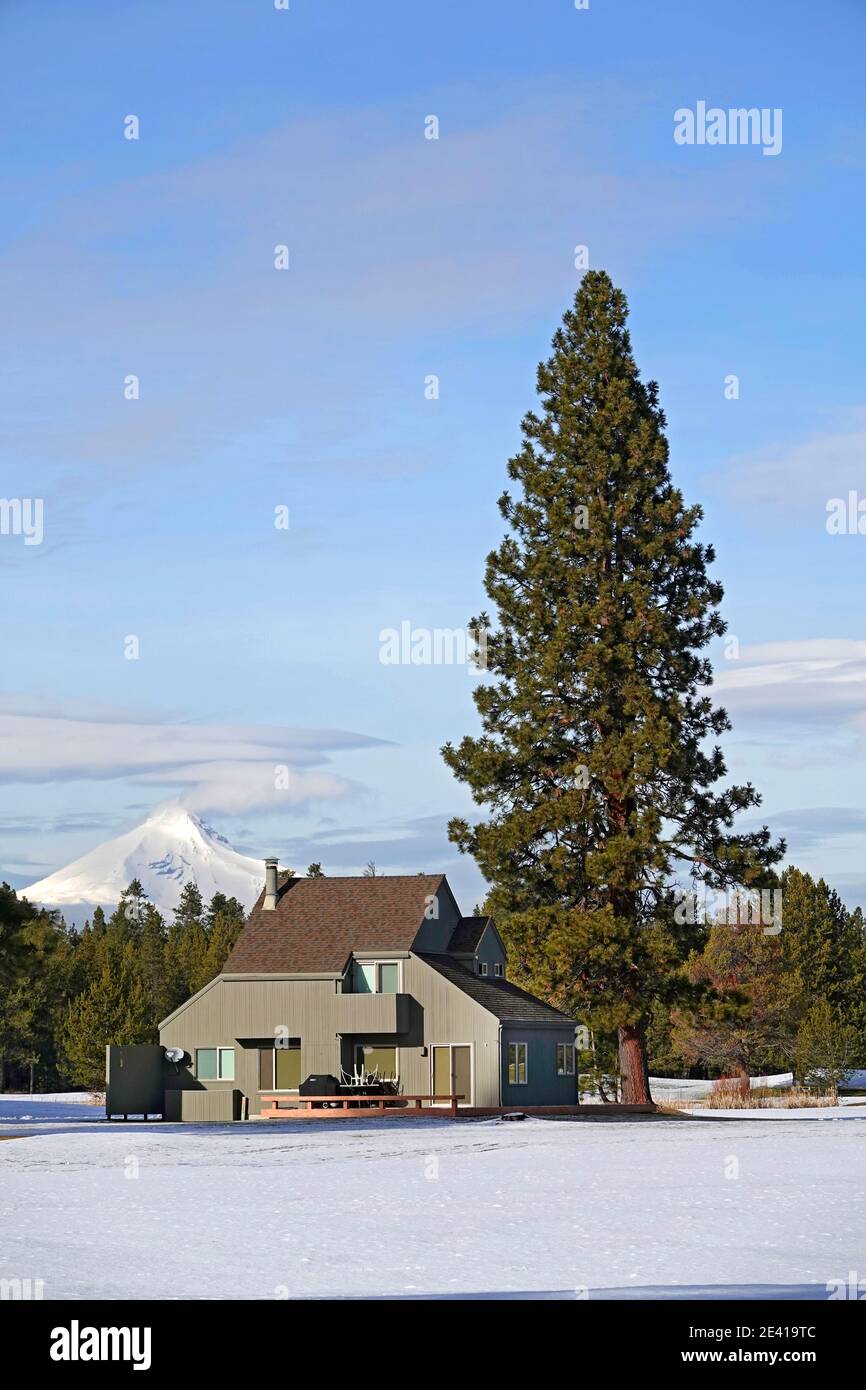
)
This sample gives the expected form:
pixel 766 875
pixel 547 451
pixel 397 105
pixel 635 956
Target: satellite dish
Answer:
pixel 174 1054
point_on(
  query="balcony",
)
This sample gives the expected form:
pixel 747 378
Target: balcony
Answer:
pixel 372 1013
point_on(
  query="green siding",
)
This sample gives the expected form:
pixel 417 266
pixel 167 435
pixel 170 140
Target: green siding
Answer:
pixel 543 1086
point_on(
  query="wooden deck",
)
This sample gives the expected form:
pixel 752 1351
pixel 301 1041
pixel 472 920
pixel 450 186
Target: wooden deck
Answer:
pixel 348 1104
pixel 448 1111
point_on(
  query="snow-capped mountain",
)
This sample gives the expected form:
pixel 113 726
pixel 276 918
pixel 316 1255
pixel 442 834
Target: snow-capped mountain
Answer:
pixel 168 850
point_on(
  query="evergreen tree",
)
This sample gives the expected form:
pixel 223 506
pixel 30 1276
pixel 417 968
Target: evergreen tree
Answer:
pixel 89 953
pixel 593 756
pixel 52 993
pixel 222 936
pixel 28 940
pixel 827 1049
pixel 744 1025
pixel 315 871
pixel 129 912
pixel 220 904
pixel 113 1009
pixel 17 919
pixel 822 946
pixel 152 965
pixel 187 946
pixel 190 908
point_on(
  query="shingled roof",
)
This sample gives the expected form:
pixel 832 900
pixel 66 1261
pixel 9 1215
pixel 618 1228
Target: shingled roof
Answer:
pixel 466 935
pixel 508 1002
pixel 318 922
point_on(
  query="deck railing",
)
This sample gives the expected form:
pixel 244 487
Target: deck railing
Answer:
pixel 341 1104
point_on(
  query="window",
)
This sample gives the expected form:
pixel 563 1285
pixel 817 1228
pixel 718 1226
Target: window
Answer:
pixel 375 977
pixel 364 978
pixel 280 1067
pixel 565 1059
pixel 517 1064
pixel 215 1063
pixel 497 969
pixel 380 1059
pixel 226 1064
pixel 388 978
pixel 206 1063
pixel 482 967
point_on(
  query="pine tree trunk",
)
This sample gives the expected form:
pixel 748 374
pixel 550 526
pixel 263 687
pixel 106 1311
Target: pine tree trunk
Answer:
pixel 633 1065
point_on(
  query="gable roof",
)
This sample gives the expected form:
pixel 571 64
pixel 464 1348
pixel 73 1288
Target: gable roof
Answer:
pixel 508 1002
pixel 466 935
pixel 318 922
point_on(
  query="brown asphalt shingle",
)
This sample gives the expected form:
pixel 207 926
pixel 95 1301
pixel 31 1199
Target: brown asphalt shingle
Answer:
pixel 318 922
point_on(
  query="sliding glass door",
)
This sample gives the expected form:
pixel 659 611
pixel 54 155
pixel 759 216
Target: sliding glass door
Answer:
pixel 452 1071
pixel 280 1067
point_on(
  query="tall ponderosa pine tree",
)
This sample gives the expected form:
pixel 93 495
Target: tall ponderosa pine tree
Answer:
pixel 594 755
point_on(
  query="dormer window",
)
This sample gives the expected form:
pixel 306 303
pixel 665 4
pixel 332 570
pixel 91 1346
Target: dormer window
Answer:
pixel 497 969
pixel 482 967
pixel 376 977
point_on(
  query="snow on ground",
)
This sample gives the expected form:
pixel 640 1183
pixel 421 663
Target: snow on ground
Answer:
pixel 678 1088
pixel 413 1207
pixel 681 1088
pixel 62 1105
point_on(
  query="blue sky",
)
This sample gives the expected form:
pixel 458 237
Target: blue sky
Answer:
pixel 305 389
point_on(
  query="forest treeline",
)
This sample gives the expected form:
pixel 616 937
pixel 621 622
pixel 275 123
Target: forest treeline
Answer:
pixel 65 993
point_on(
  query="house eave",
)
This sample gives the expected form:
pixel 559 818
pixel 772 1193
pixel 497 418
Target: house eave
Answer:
pixel 251 976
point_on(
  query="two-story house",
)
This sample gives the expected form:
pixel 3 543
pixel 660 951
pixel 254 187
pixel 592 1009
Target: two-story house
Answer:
pixel 333 974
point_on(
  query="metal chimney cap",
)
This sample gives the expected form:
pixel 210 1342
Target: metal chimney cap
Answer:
pixel 270 899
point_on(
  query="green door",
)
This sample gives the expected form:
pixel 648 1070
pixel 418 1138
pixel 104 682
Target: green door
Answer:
pixel 441 1072
pixel 452 1071
pixel 461 1074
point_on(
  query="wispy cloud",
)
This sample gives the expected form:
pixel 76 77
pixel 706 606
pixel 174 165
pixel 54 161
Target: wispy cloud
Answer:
pixel 819 680
pixel 417 845
pixel 217 768
pixel 810 828
pixel 798 478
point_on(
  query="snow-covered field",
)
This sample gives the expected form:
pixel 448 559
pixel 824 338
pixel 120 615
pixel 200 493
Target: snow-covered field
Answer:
pixel 414 1207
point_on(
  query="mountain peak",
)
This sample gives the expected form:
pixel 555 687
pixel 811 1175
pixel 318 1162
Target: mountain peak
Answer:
pixel 175 819
pixel 171 848
pixel 171 815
